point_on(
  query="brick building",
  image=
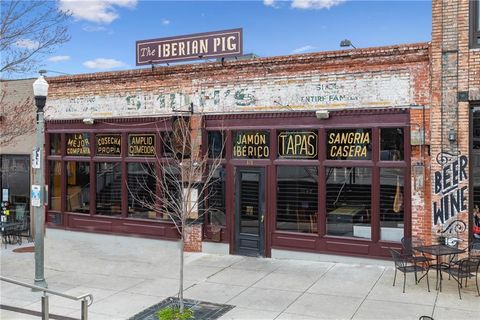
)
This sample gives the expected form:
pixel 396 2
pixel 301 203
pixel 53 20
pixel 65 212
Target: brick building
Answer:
pixel 455 98
pixel 340 152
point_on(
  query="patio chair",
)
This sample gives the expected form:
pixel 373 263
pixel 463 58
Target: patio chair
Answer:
pixel 404 264
pixel 409 252
pixel 463 270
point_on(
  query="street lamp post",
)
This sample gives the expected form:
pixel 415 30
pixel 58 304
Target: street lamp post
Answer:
pixel 40 91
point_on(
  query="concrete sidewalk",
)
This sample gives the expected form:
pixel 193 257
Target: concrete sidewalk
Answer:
pixel 127 274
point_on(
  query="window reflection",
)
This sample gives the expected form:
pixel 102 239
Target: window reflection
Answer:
pixel 55 189
pixel 349 202
pixel 141 190
pixel 55 144
pixel 78 187
pixel 391 144
pixel 216 144
pixel 391 204
pixel 109 188
pixel 216 198
pixel 297 191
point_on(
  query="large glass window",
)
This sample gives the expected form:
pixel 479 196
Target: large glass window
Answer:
pixel 391 144
pixel 55 186
pixel 475 157
pixel 391 204
pixel 297 194
pixel 349 202
pixel 216 198
pixel 78 187
pixel 141 190
pixel 109 188
pixel 349 144
pixel 475 24
pixel 55 144
pixel 15 179
pixel 216 144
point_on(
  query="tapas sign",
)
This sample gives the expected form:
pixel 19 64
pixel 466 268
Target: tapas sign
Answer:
pixel 297 144
pixel 141 145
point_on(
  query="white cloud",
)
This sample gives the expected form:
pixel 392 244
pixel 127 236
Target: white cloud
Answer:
pixel 58 58
pixel 316 4
pixel 100 11
pixel 102 63
pixel 94 28
pixel 303 49
pixel 165 22
pixel 269 3
pixel 27 44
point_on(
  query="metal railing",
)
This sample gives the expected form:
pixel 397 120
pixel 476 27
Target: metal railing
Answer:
pixel 86 299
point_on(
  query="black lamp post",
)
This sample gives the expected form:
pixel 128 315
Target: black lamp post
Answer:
pixel 40 91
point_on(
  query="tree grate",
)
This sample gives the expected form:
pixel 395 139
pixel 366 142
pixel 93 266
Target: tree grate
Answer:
pixel 201 309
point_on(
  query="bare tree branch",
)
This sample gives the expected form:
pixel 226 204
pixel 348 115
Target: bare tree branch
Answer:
pixel 184 184
pixel 29 30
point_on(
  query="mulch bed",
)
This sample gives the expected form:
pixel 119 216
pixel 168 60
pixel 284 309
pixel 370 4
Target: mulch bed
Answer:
pixel 201 310
pixel 24 249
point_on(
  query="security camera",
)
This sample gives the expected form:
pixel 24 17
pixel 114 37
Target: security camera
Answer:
pixel 322 114
pixel 88 120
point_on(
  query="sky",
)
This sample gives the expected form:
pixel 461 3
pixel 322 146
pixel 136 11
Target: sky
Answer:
pixel 103 32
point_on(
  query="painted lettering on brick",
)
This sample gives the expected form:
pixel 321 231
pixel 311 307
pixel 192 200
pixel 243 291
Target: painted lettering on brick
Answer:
pixel 453 196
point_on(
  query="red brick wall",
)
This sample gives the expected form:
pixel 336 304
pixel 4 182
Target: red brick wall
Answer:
pixel 454 67
pixel 193 238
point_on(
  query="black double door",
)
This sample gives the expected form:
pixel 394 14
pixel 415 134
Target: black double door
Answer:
pixel 250 211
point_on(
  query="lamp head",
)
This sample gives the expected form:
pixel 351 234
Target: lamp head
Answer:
pixel 40 87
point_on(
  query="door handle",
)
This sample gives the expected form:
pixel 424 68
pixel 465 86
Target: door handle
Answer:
pixel 262 218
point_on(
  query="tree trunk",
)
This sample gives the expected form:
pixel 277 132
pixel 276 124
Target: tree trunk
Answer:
pixel 180 291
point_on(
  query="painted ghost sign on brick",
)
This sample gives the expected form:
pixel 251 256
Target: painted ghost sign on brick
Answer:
pixel 260 94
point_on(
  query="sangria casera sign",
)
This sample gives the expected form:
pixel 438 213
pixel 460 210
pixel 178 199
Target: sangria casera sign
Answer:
pixel 217 44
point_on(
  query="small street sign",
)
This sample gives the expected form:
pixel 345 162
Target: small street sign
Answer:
pixel 36 156
pixel 36 198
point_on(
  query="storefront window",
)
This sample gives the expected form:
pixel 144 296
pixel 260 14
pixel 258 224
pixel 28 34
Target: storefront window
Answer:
pixel 78 144
pixel 109 188
pixel 55 144
pixel 349 144
pixel 141 190
pixel 391 204
pixel 216 198
pixel 348 202
pixel 297 194
pixel 391 144
pixel 216 144
pixel 55 186
pixel 251 144
pixel 475 157
pixel 78 187
pixel 15 184
pixel 108 145
pixel 294 144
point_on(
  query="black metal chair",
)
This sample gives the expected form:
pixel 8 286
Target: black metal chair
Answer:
pixel 404 264
pixel 409 252
pixel 463 270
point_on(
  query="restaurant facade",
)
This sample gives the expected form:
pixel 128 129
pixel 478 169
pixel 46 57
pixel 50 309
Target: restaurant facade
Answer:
pixel 341 152
pixel 323 153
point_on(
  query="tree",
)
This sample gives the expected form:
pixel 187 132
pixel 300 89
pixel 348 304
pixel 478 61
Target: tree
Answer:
pixel 183 185
pixel 29 30
pixel 17 110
